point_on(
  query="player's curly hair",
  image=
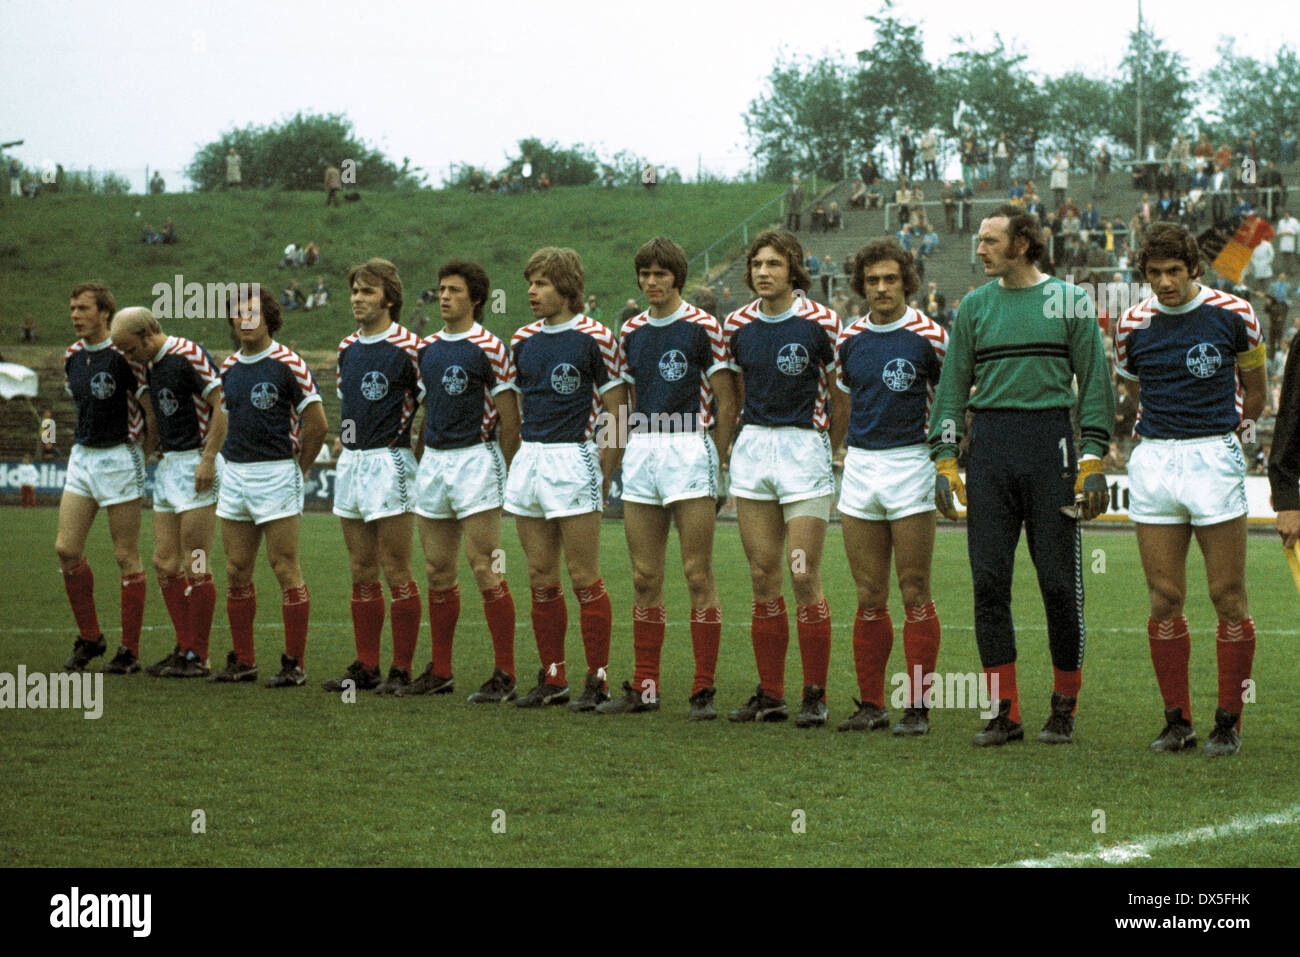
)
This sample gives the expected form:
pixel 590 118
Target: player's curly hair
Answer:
pixel 562 268
pixel 662 251
pixel 104 300
pixel 1165 240
pixel 1023 225
pixel 880 250
pixel 476 281
pixel 384 274
pixel 787 246
pixel 270 309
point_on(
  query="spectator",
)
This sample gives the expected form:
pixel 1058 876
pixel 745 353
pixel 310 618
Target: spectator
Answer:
pixel 1089 223
pixel 1275 307
pixel 1016 194
pixel 869 173
pixel 1060 180
pixel 15 178
pixel 930 153
pixel 858 200
pixel 1100 170
pixel 169 233
pixel 1288 233
pixel 706 300
pixel 727 304
pixel 28 333
pixel 475 186
pixel 630 309
pixel 292 298
pixel 310 254
pixel 873 196
pixel 592 311
pixel 793 205
pixel 817 222
pixel 949 197
pixel 27 479
pixel 151 235
pixel 968 154
pixel 290 258
pixel 609 177
pixel 1001 161
pixel 935 304
pixel 828 273
pixel 1028 145
pixel 320 295
pixel 1261 264
pixel 834 218
pixel 333 183
pixel 545 182
pixel 233 175
pixel 1287 151
pixel 156 185
pixel 813 264
pixel 1067 209
pixel 906 153
pixel 1166 208
pixel 966 193
pixel 904 197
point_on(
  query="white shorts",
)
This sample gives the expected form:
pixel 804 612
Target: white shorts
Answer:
pixel 260 492
pixel 455 483
pixel 784 464
pixel 882 485
pixel 554 480
pixel 371 484
pixel 110 476
pixel 1181 481
pixel 173 483
pixel 662 468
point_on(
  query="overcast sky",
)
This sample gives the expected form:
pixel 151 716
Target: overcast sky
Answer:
pixel 123 84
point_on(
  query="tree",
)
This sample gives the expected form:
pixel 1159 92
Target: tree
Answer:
pixel 895 84
pixel 804 121
pixel 1000 94
pixel 1077 109
pixel 294 153
pixel 575 166
pixel 1253 96
pixel 1166 93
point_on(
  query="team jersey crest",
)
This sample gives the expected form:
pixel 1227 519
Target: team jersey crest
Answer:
pixel 792 359
pixel 898 375
pixel 264 395
pixel 1203 360
pixel 565 379
pixel 103 385
pixel 167 403
pixel 455 380
pixel 374 385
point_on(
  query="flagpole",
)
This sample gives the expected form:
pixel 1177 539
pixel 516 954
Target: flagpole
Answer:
pixel 1139 82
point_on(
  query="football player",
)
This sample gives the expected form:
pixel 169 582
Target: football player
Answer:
pixel 792 418
pixel 106 469
pixel 276 427
pixel 678 367
pixel 185 389
pixel 889 363
pixel 1193 360
pixel 379 383
pixel 567 367
pixel 470 436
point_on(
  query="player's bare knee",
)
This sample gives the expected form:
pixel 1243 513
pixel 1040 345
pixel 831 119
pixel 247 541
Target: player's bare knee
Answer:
pixel 646 581
pixel 1229 601
pixel 915 589
pixel 872 596
pixel 168 564
pixel 68 556
pixel 699 581
pixel 1166 602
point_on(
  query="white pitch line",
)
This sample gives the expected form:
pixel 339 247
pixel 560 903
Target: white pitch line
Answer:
pixel 1142 848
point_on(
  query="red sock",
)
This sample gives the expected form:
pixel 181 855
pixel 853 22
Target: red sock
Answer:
pixel 202 605
pixel 444 612
pixel 406 625
pixel 1006 675
pixel 873 639
pixel 813 625
pixel 499 610
pixel 596 621
pixel 769 630
pixel 295 607
pixel 1068 683
pixel 1236 654
pixel 133 588
pixel 920 645
pixel 79 583
pixel 174 592
pixel 550 619
pixel 706 636
pixel 241 609
pixel 367 621
pixel 647 643
pixel 1171 649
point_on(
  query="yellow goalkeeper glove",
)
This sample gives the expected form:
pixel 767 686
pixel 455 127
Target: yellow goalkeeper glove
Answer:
pixel 1090 489
pixel 947 483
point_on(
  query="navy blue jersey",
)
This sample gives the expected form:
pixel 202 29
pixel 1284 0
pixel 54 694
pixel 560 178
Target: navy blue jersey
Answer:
pixel 180 377
pixel 462 373
pixel 890 372
pixel 561 373
pixel 669 361
pixel 1186 360
pixel 265 396
pixel 107 387
pixel 379 382
pixel 787 362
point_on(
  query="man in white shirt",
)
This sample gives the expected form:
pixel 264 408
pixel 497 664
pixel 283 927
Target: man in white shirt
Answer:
pixel 1288 228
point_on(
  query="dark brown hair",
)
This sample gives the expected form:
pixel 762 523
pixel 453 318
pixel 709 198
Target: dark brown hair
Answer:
pixel 879 250
pixel 787 246
pixel 1165 240
pixel 476 281
pixel 662 251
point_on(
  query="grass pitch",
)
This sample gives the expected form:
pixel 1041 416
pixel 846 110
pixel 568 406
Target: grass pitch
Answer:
pixel 296 777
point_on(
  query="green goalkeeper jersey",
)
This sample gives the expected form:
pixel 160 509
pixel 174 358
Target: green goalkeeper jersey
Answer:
pixel 1023 349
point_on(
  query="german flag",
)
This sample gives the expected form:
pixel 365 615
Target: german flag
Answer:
pixel 1228 244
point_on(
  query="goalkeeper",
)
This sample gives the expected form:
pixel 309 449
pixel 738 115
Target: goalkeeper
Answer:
pixel 1021 341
